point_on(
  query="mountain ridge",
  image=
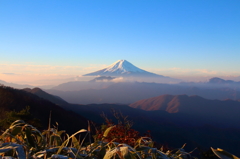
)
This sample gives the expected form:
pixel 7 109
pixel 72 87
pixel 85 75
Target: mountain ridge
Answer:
pixel 42 94
pixel 223 109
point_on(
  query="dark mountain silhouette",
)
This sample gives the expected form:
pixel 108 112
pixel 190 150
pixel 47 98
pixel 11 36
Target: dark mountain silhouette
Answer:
pixel 14 99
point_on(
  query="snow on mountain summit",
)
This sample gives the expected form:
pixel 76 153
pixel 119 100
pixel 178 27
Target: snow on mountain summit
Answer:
pixel 122 68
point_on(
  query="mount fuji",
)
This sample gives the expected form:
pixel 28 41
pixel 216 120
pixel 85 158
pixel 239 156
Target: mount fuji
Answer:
pixel 123 68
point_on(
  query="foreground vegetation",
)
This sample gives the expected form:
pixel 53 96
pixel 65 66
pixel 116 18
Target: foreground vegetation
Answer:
pixel 23 141
pixel 13 104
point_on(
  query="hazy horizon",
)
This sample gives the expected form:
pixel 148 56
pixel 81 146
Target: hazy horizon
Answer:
pixel 44 78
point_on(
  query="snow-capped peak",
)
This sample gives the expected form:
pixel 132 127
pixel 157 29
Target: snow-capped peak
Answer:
pixel 122 68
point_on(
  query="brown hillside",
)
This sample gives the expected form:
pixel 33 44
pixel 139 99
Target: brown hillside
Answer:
pixel 190 104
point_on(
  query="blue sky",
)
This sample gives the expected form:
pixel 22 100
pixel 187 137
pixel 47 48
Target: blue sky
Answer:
pixel 169 37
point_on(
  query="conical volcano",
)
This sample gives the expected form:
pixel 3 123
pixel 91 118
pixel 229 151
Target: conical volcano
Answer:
pixel 123 68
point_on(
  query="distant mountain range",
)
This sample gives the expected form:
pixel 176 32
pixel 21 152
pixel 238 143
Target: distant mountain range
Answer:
pixel 184 104
pixel 130 92
pixel 214 82
pixel 221 112
pixel 217 80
